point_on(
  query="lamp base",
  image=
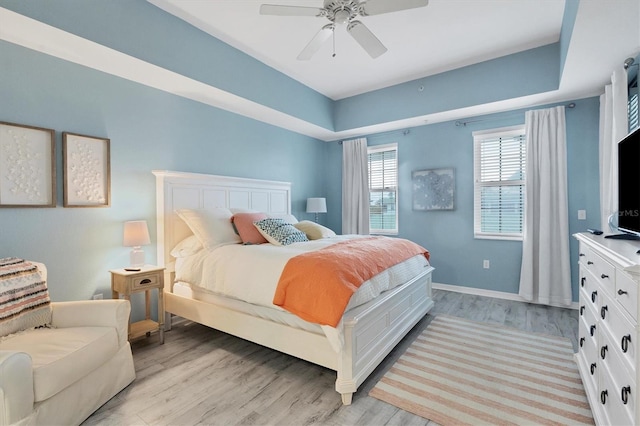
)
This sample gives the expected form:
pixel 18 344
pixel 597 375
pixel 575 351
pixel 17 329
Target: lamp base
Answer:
pixel 136 257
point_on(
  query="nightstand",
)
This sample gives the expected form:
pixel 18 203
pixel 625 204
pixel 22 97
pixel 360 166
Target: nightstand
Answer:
pixel 149 277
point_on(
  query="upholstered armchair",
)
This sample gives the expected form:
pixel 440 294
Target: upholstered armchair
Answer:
pixel 63 371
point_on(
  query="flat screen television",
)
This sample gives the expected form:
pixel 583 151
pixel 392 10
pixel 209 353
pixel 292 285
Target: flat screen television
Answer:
pixel 629 187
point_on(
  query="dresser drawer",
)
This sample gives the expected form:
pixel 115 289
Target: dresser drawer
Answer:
pixel 588 348
pixel 588 317
pixel 621 332
pixel 602 271
pixel 589 288
pixel 627 294
pixel 610 357
pixel 147 280
pixel 611 396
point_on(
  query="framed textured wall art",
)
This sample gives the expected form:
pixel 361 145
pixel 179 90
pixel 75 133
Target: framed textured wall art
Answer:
pixel 433 189
pixel 27 166
pixel 87 171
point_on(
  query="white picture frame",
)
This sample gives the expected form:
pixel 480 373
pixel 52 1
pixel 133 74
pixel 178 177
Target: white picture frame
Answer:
pixel 27 166
pixel 86 170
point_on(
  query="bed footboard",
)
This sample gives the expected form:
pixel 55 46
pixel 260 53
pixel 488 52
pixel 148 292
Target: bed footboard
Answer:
pixel 372 331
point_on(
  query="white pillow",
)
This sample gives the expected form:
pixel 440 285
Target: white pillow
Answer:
pixel 187 247
pixel 235 210
pixel 213 228
pixel 314 230
pixel 279 232
pixel 289 218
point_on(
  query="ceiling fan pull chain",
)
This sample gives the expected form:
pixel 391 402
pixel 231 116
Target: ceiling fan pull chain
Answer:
pixel 334 43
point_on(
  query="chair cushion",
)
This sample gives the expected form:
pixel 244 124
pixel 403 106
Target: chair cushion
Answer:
pixel 61 356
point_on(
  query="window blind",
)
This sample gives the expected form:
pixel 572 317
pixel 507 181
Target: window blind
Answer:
pixel 499 184
pixel 632 109
pixel 383 185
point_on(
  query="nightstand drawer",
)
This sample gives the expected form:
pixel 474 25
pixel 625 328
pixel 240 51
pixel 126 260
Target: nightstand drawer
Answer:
pixel 144 281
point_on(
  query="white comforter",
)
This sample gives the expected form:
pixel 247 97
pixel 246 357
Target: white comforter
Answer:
pixel 250 273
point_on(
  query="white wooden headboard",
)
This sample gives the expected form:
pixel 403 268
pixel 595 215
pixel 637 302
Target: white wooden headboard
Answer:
pixel 180 190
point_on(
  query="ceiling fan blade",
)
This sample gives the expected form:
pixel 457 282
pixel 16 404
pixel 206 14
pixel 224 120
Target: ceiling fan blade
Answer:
pixel 366 39
pixel 316 42
pixel 377 7
pixel 274 9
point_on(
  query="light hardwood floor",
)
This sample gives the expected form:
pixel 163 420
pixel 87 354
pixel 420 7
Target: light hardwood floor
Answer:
pixel 202 376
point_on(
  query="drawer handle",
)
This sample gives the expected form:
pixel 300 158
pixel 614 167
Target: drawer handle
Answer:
pixel 621 292
pixel 592 330
pixel 603 311
pixel 593 296
pixel 582 280
pixel 582 255
pixel 593 368
pixel 589 262
pixel 581 341
pixel 624 345
pixel 625 394
pixel 582 310
pixel 145 281
pixel 603 276
pixel 603 396
pixel 603 351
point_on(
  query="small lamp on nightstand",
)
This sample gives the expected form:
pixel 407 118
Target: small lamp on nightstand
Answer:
pixel 316 205
pixel 136 234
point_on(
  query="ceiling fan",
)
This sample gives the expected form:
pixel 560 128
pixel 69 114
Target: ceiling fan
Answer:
pixel 344 12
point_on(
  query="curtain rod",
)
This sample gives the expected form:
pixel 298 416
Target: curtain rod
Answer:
pixel 405 132
pixel 465 122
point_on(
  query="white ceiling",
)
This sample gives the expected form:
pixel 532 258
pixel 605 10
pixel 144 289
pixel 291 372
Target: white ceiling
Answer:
pixel 445 35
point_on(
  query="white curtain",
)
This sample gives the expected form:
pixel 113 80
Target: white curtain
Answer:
pixel 613 127
pixel 355 187
pixel 545 275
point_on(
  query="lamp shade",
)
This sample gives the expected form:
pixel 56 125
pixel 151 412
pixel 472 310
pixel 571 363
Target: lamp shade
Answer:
pixel 316 205
pixel 136 233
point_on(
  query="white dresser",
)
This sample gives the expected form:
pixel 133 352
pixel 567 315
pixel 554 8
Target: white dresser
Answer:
pixel 608 338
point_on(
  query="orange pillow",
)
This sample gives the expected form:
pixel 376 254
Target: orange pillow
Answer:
pixel 243 222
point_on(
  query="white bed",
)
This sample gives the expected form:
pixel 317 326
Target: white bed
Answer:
pixel 367 332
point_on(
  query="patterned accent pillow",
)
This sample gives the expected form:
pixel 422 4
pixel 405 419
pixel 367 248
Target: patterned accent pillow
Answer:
pixel 279 232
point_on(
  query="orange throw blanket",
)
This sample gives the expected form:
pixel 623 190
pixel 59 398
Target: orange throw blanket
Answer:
pixel 318 285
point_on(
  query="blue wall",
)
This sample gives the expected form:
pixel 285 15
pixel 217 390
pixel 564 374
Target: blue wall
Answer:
pixel 448 235
pixel 507 77
pixel 149 129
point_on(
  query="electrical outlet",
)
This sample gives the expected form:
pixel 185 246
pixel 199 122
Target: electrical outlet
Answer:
pixel 97 296
pixel 485 264
pixel 582 215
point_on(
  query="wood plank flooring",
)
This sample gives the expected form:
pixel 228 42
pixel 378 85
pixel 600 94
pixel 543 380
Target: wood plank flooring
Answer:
pixel 202 376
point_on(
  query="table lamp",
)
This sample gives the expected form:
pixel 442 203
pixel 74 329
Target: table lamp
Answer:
pixel 316 205
pixel 136 234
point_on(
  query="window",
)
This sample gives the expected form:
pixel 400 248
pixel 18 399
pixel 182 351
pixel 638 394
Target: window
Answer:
pixel 499 169
pixel 383 189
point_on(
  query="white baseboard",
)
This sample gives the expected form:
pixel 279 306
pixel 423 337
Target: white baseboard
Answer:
pixel 491 293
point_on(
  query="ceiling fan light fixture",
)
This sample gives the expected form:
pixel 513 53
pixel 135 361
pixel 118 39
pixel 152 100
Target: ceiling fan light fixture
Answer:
pixel 342 17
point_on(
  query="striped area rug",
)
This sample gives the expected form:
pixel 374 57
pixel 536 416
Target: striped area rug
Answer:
pixel 463 372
